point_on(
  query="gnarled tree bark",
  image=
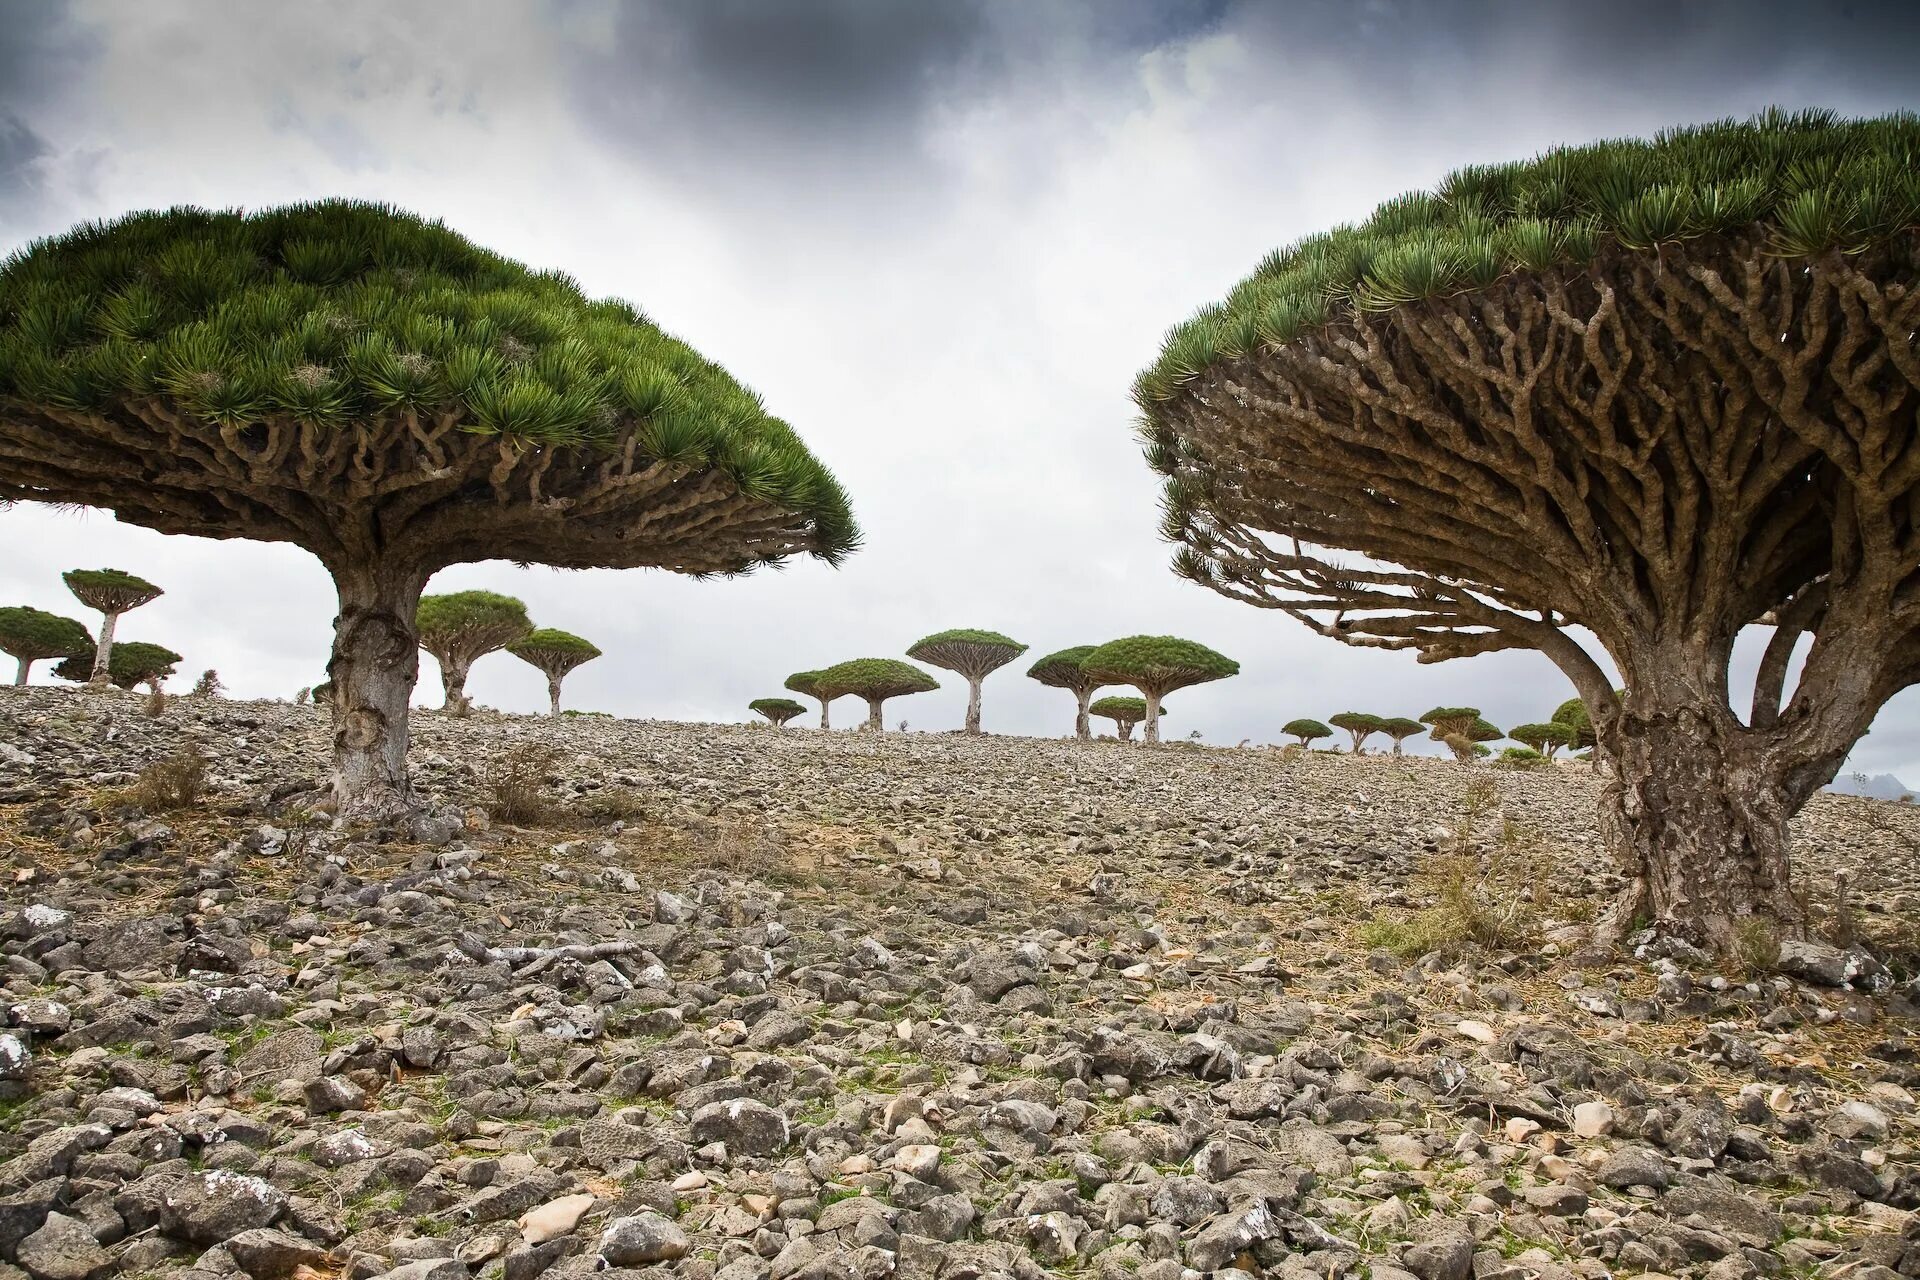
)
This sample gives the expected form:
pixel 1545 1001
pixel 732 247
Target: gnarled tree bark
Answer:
pixel 1663 448
pixel 375 662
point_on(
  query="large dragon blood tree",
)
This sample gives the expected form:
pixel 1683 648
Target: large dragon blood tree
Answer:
pixel 30 634
pixel 376 389
pixel 974 654
pixel 1066 670
pixel 1660 391
pixel 461 627
pixel 553 653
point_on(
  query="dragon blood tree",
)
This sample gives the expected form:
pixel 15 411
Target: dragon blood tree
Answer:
pixel 1579 725
pixel 1544 739
pixel 1156 666
pixel 30 634
pixel 1657 390
pixel 462 627
pixel 973 654
pixel 777 710
pixel 113 593
pixel 807 683
pixel 134 663
pixel 553 653
pixel 1306 731
pixel 1461 730
pixel 1400 728
pixel 1066 670
pixel 876 680
pixel 1359 726
pixel 1124 712
pixel 378 390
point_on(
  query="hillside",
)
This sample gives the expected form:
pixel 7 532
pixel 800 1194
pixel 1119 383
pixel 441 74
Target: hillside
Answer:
pixel 735 1001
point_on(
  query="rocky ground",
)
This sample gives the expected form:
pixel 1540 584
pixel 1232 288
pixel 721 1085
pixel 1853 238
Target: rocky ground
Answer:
pixel 729 1001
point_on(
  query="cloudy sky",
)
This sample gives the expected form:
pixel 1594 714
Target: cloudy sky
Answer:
pixel 939 236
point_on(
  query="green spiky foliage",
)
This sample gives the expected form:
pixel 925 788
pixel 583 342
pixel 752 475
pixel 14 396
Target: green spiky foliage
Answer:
pixel 1544 738
pixel 1156 666
pixel 972 653
pixel 461 627
pixel 553 653
pixel 777 710
pixel 30 634
pixel 876 680
pixel 1066 669
pixel 323 694
pixel 1573 714
pixel 1450 720
pixel 1400 728
pixel 1809 182
pixel 1655 391
pixel 111 591
pixel 807 683
pixel 1124 712
pixel 1521 757
pixel 1359 726
pixel 1306 730
pixel 135 662
pixel 375 388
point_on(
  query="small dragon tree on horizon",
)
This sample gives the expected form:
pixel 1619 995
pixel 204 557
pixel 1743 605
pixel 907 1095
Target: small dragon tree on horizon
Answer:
pixel 876 680
pixel 134 662
pixel 30 634
pixel 1067 670
pixel 974 654
pixel 1124 712
pixel 1400 728
pixel 1657 390
pixel 777 710
pixel 1306 731
pixel 395 399
pixel 1461 731
pixel 461 627
pixel 1359 726
pixel 1156 666
pixel 807 684
pixel 553 653
pixel 113 592
pixel 1544 739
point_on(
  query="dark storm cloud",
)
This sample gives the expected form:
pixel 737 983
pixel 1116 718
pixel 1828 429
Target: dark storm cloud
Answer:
pixel 19 147
pixel 42 52
pixel 767 91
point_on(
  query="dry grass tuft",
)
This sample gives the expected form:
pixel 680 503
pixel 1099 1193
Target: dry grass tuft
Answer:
pixel 516 785
pixel 1490 899
pixel 175 783
pixel 156 704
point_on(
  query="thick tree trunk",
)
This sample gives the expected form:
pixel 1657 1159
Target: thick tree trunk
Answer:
pixel 1697 818
pixel 873 714
pixel 453 680
pixel 1125 729
pixel 973 704
pixel 824 722
pixel 1082 727
pixel 1152 737
pixel 1396 747
pixel 375 662
pixel 26 665
pixel 553 695
pixel 103 651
